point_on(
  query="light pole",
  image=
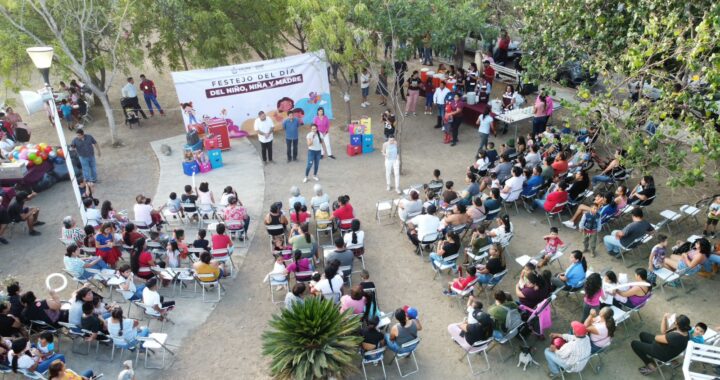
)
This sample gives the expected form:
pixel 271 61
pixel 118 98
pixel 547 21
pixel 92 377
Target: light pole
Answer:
pixel 42 59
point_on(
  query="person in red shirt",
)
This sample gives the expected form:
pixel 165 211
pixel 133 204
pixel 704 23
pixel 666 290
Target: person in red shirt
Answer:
pixel 460 283
pixel 560 166
pixel 488 73
pixel 141 260
pixel 344 214
pixel 503 46
pixel 150 93
pixel 554 198
pixel 221 241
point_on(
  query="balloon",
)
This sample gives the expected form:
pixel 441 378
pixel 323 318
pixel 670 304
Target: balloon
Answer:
pixel 48 149
pixel 59 160
pixel 38 160
pixel 60 153
pixel 23 155
pixel 44 155
pixel 42 146
pixel 16 154
pixel 52 154
pixel 32 156
pixel 30 164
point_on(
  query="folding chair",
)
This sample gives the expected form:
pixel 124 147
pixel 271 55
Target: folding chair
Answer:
pixel 667 276
pixel 479 347
pixel 669 217
pixel 190 210
pixel 152 314
pixel 277 279
pixel 414 344
pixel 573 203
pixel 512 198
pixel 426 241
pixel 672 364
pixel 408 218
pixel 170 216
pixel 563 370
pixel 459 229
pixel 507 339
pixel 384 208
pixel 202 280
pixel 460 295
pixel 528 199
pixel 700 353
pixel 481 255
pixel 35 375
pixel 447 263
pixel 556 211
pixel 632 246
pixel 328 229
pixel 74 332
pixel 346 222
pixel 494 282
pixel 374 357
pixel 691 211
pixel 237 231
pixel 224 256
pixel 154 341
pixel 206 211
pixel 347 278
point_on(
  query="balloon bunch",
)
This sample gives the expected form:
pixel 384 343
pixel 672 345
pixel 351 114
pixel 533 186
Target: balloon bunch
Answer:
pixel 36 154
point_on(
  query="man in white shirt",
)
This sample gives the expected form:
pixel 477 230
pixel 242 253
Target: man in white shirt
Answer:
pixel 484 123
pixel 573 355
pixel 130 99
pixel 439 99
pixel 264 128
pixel 423 226
pixel 513 186
pixel 152 299
pixel 365 87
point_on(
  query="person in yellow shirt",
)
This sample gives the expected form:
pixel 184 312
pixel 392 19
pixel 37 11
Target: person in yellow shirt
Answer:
pixel 323 214
pixel 207 265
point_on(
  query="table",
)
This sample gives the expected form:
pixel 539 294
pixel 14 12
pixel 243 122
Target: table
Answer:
pixel 32 176
pixel 520 114
pixel 471 112
pixel 183 274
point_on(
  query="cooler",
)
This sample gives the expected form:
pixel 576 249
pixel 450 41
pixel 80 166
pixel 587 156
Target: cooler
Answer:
pixel 218 128
pixel 215 157
pixel 430 75
pixel 200 128
pixel 354 150
pixel 204 167
pixel 190 168
pixel 367 123
pixel 437 79
pixel 471 99
pixel 211 142
pixel 367 143
pixel 356 140
pixel 450 83
pixel 423 74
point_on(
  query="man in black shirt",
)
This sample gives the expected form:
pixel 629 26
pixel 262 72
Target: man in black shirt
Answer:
pixel 18 212
pixel 189 197
pixel 91 322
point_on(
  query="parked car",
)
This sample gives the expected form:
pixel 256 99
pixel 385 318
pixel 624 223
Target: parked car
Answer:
pixel 573 74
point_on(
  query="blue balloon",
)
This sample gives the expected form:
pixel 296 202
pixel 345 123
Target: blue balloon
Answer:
pixel 16 154
pixel 59 160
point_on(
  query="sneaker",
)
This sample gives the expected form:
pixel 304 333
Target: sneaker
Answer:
pixel 316 179
pixel 4 241
pixel 304 179
pixel 407 114
pixel 569 224
pixel 35 233
pixel 39 223
pixel 448 293
pixel 414 113
pixel 331 156
pixel 363 105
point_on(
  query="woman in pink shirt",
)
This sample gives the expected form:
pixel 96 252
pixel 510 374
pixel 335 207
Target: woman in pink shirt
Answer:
pixel 323 127
pixel 593 294
pixel 354 301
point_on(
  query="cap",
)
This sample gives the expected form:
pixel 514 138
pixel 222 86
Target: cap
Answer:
pixel 578 328
pixel 411 312
pixel 558 343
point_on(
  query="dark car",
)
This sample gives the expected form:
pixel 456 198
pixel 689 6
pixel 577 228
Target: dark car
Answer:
pixel 573 74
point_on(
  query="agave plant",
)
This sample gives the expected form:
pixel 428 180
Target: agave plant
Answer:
pixel 312 340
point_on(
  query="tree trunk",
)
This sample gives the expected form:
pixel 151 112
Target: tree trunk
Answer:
pixel 459 53
pixel 182 56
pixel 110 119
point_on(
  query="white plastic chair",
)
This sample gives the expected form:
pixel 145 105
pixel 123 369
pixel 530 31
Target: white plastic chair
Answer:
pixel 479 347
pixel 384 209
pixel 447 263
pixel 277 279
pixel 512 199
pixel 154 341
pixel 207 282
pixel 369 357
pixel 556 211
pixel 427 240
pixel 700 353
pixel 224 256
pixel 413 343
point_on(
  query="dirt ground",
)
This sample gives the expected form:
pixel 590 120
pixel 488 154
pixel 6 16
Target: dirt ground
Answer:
pixel 229 344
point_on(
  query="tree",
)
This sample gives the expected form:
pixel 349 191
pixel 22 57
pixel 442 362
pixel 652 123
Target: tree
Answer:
pixel 670 46
pixel 89 37
pixel 312 340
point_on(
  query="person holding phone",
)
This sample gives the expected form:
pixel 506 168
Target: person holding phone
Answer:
pixel 671 342
pixel 315 144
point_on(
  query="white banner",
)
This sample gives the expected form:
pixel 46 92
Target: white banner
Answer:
pixel 237 93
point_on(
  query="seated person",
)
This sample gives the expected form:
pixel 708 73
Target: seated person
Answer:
pixel 508 149
pixel 494 265
pixel 713 216
pixel 17 212
pixel 445 248
pixel 579 184
pixel 491 153
pixel 671 342
pixel 548 173
pixel 300 264
pixel 613 170
pixel 323 216
pixel 513 186
pixel 155 301
pixel 492 204
pixel 296 197
pixel 637 294
pixel 460 283
pixel 479 239
pixel 552 199
pixel 476 212
pixel 301 240
pixel 691 261
pixel 344 256
pixel 449 194
pixel 412 206
pixel 58 371
pixel 76 266
pixel 372 338
pixel 533 158
pixel 221 240
pixel 573 352
pixel 71 232
pixel 503 230
pixel 481 165
pixel 354 301
pixel 237 213
pixel 618 240
pixel 125 328
pixel 128 289
pixel 92 322
pixel 574 276
pixel 697 333
pixel 499 311
pixel 644 192
pixel 404 331
pixel 200 241
pixel 47 310
pixel 578 160
pixel 466 334
pixel 533 290
pixel 560 165
pixel 319 198
pixel 275 218
pixel 344 213
pixel 10 325
pixel 23 356
pixel 534 182
pixel 365 280
pixel 141 260
pixel 355 239
pixel 458 217
pixel 207 265
pixel 107 247
pixel 434 185
pixel 423 226
pixel 330 286
pixel 472 189
pixel 296 296
pixel 600 201
pixel 299 214
pixel 601 327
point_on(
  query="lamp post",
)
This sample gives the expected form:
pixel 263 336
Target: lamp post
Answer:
pixel 42 59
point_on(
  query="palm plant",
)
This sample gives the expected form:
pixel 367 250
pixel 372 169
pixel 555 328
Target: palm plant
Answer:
pixel 312 340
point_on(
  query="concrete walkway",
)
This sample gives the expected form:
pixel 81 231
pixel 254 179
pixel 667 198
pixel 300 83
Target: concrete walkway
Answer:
pixel 244 172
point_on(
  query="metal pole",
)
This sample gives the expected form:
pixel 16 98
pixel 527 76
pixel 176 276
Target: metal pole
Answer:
pixel 68 160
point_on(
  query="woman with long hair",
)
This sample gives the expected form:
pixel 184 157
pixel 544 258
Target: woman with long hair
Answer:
pixel 501 232
pixel 637 295
pixel 22 356
pixel 299 214
pixel 593 294
pixel 323 128
pixel 314 141
pixel 301 240
pixel 105 244
pixel 58 371
pixel 671 342
pixel 601 327
pixel 494 265
pixel 355 239
pixel 131 235
pixel 141 260
pixel 574 276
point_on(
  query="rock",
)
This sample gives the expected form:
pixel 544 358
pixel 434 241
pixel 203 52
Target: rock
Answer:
pixel 165 149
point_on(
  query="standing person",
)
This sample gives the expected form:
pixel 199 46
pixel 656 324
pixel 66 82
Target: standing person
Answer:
pixel 382 87
pixel 85 146
pixel 365 87
pixel 484 123
pixel 539 116
pixel 264 128
pixel 150 94
pixel 314 141
pixel 400 69
pixel 323 127
pixel 392 163
pixel 488 74
pixel 502 48
pixel 291 125
pixel 413 93
pixel 439 99
pixel 66 109
pixel 129 92
pixel 456 115
pixel 427 50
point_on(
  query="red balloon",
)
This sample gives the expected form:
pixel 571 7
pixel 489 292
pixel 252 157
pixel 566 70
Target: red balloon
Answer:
pixel 48 149
pixel 30 164
pixel 44 155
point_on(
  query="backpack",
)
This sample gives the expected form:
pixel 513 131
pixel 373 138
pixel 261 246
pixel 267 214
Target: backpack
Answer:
pixel 513 318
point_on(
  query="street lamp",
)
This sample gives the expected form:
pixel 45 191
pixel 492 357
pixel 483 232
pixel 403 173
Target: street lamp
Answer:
pixel 42 59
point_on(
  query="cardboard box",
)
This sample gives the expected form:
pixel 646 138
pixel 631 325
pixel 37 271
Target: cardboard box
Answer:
pixel 12 170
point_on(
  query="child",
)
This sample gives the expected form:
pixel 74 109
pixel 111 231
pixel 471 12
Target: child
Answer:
pixel 460 283
pixel 66 110
pixel 435 185
pixel 713 217
pixel 173 204
pixel 552 243
pixel 45 345
pixel 696 333
pixel 172 255
pixel 657 257
pixel 491 153
pixel 429 91
pixel 494 181
pixel 201 242
pixel 179 237
pixel 447 120
pixel 389 129
pixel 316 277
pixel 590 225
